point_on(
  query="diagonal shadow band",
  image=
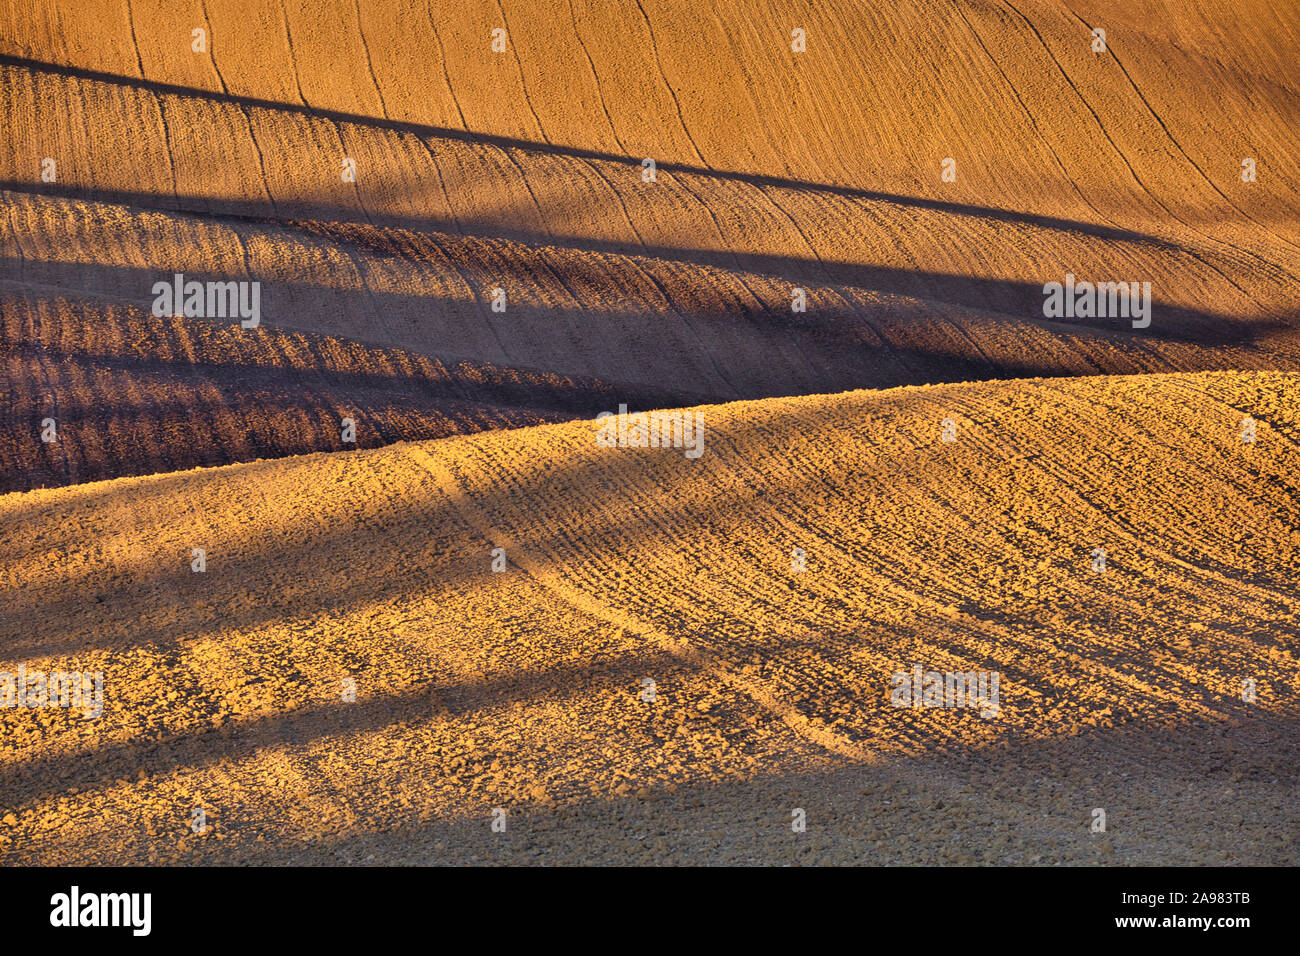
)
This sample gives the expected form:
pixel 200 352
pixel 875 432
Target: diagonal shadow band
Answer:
pixel 508 142
pixel 1255 759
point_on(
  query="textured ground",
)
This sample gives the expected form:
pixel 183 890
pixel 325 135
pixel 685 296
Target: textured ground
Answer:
pixel 521 689
pixel 521 171
pixel 518 177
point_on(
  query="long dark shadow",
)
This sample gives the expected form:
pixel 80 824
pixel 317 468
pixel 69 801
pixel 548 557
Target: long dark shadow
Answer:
pixel 510 142
pixel 999 298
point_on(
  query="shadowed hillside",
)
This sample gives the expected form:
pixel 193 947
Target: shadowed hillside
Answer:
pixel 521 171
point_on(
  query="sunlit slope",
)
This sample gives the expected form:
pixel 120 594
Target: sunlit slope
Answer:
pixel 1037 120
pixel 478 689
pixel 671 324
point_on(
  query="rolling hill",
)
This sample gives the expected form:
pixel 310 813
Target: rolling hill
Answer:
pixel 522 171
pixel 356 578
pixel 524 689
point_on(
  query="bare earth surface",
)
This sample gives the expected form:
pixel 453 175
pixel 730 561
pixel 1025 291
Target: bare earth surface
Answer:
pixel 522 171
pixel 519 178
pixel 523 689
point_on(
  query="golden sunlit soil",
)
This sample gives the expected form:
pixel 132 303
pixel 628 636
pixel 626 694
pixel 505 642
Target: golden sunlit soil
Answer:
pixel 1121 687
pixel 470 632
